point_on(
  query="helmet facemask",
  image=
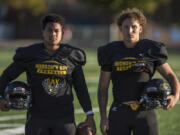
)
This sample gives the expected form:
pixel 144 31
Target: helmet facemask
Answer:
pixel 18 95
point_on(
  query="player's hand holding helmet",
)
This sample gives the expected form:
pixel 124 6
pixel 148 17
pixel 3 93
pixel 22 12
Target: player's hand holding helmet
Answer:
pixel 83 129
pixel 17 94
pixel 155 93
pixel 4 105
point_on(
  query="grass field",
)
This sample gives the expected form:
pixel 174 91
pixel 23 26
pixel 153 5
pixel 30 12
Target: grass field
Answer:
pixel 169 121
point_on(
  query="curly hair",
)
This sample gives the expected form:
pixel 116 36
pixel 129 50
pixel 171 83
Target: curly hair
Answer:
pixel 132 13
pixel 52 18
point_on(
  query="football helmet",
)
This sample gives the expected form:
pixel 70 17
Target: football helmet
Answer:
pixel 18 95
pixel 155 93
pixel 83 130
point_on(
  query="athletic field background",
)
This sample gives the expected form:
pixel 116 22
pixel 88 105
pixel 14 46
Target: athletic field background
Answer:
pixel 169 121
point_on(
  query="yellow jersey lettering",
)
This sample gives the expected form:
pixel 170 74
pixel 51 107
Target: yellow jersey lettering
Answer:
pixel 51 69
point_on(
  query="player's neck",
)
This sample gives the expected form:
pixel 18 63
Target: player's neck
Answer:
pixel 130 44
pixel 51 48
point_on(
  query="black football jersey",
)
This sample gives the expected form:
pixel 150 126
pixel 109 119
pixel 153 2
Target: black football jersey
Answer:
pixel 131 68
pixel 51 78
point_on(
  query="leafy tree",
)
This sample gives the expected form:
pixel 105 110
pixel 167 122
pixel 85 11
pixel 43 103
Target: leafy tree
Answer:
pixel 36 7
pixel 116 6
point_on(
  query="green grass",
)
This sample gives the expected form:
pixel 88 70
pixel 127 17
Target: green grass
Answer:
pixel 168 120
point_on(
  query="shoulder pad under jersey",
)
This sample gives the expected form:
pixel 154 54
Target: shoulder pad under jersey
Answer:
pixel 105 53
pixel 157 51
pixel 76 55
pixel 24 53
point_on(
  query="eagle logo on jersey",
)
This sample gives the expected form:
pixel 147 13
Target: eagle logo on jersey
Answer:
pixel 52 86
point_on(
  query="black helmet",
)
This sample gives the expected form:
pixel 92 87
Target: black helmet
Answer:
pixel 18 95
pixel 155 93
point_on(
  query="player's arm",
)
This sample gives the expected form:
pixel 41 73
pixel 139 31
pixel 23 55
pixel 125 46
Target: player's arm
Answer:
pixel 166 71
pixel 104 60
pixel 103 86
pixel 161 55
pixel 81 90
pixel 78 58
pixel 9 74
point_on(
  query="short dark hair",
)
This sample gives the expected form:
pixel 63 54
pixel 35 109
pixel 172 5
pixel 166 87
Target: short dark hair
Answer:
pixel 133 13
pixel 51 17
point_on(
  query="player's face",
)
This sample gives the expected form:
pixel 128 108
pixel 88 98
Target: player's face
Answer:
pixel 131 30
pixel 52 33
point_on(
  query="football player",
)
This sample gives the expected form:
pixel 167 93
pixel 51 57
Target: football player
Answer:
pixel 130 64
pixel 52 69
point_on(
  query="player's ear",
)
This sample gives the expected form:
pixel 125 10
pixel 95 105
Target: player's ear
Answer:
pixel 43 33
pixel 140 29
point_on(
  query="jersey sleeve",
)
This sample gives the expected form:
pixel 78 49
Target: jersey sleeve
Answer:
pixel 104 59
pixel 160 54
pixel 19 57
pixel 78 57
pixel 11 72
pixel 81 89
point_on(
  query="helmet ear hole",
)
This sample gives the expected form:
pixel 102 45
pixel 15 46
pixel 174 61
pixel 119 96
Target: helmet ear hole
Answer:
pixel 18 94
